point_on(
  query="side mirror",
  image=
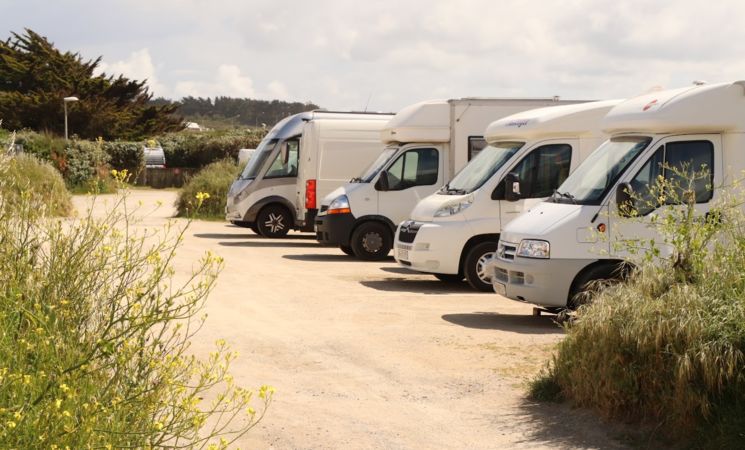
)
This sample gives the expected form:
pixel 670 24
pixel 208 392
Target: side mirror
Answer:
pixel 624 200
pixel 382 184
pixel 512 187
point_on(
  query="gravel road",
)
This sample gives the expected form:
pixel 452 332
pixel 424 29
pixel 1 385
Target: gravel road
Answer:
pixel 370 355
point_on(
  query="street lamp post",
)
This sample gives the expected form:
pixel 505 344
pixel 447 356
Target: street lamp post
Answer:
pixel 67 100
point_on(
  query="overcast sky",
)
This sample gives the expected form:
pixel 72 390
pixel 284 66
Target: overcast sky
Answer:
pixel 339 54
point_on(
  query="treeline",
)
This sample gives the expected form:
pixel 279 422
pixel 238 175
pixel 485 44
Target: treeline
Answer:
pixel 35 77
pixel 239 111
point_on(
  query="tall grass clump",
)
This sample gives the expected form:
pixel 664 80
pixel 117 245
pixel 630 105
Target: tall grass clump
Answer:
pixel 25 175
pixel 214 180
pixel 95 331
pixel 666 348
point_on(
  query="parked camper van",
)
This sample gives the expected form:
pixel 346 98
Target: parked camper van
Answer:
pixel 550 254
pixel 304 156
pixel 425 144
pixel 454 232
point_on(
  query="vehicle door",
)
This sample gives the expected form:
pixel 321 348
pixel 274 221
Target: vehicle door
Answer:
pixel 675 160
pixel 541 171
pixel 415 174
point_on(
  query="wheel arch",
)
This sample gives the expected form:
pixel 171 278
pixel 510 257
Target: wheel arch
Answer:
pixel 256 208
pixel 473 241
pixel 375 218
pixel 611 265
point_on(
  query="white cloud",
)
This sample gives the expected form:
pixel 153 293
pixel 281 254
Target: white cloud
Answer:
pixel 228 81
pixel 138 66
pixel 277 89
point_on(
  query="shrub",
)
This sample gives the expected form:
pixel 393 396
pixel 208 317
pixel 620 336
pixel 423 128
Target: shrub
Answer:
pixel 667 347
pixel 125 156
pixel 196 150
pixel 214 180
pixel 27 175
pixel 94 336
pixel 42 145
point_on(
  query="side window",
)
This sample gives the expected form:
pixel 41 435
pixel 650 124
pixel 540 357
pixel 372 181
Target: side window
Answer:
pixel 285 164
pixel 416 167
pixel 676 162
pixel 543 170
pixel 641 184
pixel 475 145
pixel 684 159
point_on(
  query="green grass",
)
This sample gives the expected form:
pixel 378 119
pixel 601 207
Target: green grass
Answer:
pixel 215 180
pixel 25 174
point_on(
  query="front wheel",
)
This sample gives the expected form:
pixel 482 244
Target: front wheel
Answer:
pixel 475 266
pixel 273 221
pixel 371 241
pixel 347 249
pixel 590 283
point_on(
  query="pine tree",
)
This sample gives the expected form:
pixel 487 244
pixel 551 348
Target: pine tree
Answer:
pixel 35 77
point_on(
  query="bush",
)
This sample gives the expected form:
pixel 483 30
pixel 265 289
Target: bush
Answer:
pixel 44 146
pixel 127 156
pixel 196 150
pixel 94 334
pixel 214 180
pixel 667 347
pixel 27 175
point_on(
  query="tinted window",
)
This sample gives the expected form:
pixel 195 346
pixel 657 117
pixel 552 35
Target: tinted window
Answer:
pixel 543 170
pixel 475 145
pixel 677 162
pixel 285 164
pixel 416 167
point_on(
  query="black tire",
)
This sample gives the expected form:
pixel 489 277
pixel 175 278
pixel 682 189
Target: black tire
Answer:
pixel 371 241
pixel 473 266
pixel 255 228
pixel 347 250
pixel 587 285
pixel 274 221
pixel 448 277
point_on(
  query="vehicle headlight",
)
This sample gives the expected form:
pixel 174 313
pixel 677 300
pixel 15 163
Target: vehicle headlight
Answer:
pixel 340 205
pixel 453 208
pixel 534 249
pixel 243 193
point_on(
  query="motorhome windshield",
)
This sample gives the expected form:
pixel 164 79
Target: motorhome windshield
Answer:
pixel 258 159
pixel 376 166
pixel 481 168
pixel 592 180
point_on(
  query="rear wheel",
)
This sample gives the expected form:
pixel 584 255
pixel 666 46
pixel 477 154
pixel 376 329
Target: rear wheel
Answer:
pixel 448 277
pixel 346 249
pixel 371 241
pixel 273 221
pixel 474 266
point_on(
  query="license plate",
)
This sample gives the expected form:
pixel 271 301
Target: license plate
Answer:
pixel 499 288
pixel 403 254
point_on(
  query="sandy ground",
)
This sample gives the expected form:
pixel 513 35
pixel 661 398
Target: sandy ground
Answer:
pixel 370 355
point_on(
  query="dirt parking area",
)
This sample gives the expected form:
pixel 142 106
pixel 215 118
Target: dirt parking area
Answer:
pixel 369 355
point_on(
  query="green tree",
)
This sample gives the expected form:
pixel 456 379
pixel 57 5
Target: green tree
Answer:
pixel 35 77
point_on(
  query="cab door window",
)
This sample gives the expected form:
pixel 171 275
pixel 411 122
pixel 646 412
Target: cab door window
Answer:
pixel 285 163
pixel 676 163
pixel 543 170
pixel 416 167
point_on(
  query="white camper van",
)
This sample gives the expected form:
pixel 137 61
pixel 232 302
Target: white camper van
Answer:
pixel 454 232
pixel 549 254
pixel 304 156
pixel 426 143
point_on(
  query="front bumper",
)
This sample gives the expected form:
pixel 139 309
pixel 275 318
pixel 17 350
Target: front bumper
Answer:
pixel 430 247
pixel 542 282
pixel 334 229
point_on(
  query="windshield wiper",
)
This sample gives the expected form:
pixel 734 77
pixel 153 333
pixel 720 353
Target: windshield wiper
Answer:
pixel 356 180
pixel 565 195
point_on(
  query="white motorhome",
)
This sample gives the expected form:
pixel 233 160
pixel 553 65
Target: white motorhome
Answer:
pixel 549 254
pixel 302 158
pixel 454 232
pixel 426 143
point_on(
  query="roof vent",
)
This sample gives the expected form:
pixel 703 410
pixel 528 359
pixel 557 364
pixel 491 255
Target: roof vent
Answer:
pixel 556 98
pixel 699 82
